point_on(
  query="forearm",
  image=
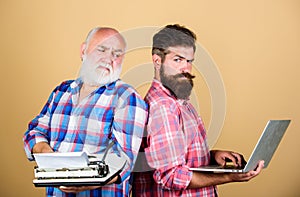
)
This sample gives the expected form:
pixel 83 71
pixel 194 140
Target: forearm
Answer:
pixel 200 180
pixel 176 178
pixel 36 133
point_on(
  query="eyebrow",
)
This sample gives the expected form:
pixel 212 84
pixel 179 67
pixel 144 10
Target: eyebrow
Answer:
pixel 104 47
pixel 183 57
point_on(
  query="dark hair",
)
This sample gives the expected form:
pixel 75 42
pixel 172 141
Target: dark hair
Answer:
pixel 171 36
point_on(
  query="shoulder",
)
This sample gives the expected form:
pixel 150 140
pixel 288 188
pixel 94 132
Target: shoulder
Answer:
pixel 63 86
pixel 161 103
pixel 128 94
pixel 123 88
pixel 157 97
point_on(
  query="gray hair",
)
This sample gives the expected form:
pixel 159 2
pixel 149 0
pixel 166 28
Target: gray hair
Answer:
pixel 91 34
pixel 96 29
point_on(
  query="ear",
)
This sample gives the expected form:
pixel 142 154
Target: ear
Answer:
pixel 156 61
pixel 82 49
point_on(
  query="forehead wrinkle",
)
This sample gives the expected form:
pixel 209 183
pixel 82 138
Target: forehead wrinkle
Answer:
pixel 175 54
pixel 106 48
pixel 104 35
pixel 181 52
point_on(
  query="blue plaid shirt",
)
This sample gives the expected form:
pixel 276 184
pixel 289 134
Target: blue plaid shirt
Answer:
pixel 112 112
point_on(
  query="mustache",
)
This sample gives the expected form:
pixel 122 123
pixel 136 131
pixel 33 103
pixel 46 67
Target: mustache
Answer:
pixel 105 65
pixel 184 74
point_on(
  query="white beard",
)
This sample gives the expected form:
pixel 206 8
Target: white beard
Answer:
pixel 94 76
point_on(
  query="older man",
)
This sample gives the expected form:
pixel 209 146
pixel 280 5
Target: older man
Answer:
pixel 88 113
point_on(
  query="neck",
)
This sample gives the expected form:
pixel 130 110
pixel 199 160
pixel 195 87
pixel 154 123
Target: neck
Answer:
pixel 156 74
pixel 88 87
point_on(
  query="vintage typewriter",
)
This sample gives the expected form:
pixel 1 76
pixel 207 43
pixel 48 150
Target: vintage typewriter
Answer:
pixel 89 169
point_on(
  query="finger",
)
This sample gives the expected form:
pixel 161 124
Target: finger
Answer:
pixel 69 189
pixel 231 156
pixel 238 157
pixel 66 187
pixel 77 189
pixel 241 161
pixel 260 166
pixel 255 172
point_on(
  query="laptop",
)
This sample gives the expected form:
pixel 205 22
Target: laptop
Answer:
pixel 264 149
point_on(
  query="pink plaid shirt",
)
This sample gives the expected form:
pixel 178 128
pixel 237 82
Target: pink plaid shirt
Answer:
pixel 176 140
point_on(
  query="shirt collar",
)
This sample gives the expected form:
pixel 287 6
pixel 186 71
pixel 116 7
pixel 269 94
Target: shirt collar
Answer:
pixel 158 85
pixel 78 83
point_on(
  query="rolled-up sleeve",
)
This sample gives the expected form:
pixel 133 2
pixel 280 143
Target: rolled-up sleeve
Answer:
pixel 37 129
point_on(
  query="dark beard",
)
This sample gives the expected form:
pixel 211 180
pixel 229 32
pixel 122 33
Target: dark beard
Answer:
pixel 180 85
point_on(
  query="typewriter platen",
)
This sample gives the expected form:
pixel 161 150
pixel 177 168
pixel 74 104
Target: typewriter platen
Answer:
pixel 96 171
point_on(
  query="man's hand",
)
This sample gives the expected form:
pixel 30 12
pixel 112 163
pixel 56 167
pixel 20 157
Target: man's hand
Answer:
pixel 42 147
pixel 242 177
pixel 221 157
pixel 76 189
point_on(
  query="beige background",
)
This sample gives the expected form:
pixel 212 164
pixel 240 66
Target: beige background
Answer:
pixel 255 43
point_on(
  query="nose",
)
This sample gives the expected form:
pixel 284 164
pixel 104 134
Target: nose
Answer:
pixel 108 57
pixel 186 66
